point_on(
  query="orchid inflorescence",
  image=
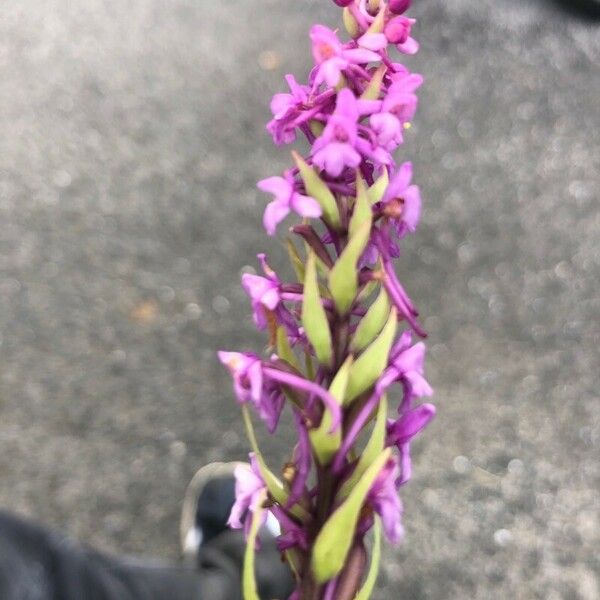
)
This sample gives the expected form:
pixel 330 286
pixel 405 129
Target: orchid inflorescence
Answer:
pixel 334 337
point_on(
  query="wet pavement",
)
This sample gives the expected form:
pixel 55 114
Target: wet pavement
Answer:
pixel 131 137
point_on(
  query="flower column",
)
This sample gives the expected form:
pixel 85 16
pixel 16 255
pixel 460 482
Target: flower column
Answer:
pixel 341 335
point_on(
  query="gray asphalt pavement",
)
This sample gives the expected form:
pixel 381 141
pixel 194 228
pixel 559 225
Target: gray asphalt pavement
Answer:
pixel 131 138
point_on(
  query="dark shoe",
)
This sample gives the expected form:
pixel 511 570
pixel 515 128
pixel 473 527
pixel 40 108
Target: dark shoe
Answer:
pixel 206 507
pixel 205 535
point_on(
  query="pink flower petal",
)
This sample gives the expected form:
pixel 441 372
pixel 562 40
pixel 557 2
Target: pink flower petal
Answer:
pixel 399 182
pixel 410 46
pixel 278 186
pixel 411 212
pixel 361 56
pixel 387 127
pixel 306 206
pixel 275 212
pixel 373 41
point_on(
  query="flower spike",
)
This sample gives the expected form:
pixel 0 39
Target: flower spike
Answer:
pixel 340 335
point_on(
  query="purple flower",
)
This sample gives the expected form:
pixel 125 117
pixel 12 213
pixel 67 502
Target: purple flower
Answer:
pixel 302 460
pixel 403 80
pixel 295 536
pixel 374 152
pixel 388 130
pixel 264 295
pixel 286 109
pixel 401 101
pixel 397 31
pixel 353 113
pixel 281 104
pixel 402 201
pixel 398 107
pixel 309 387
pixel 249 492
pixel 401 432
pixel 335 149
pixel 292 533
pixel 250 385
pixel 286 200
pixel 266 299
pixel 333 58
pixel 384 500
pixel 406 365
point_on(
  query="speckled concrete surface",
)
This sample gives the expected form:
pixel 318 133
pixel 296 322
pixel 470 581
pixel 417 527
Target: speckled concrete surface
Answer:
pixel 131 135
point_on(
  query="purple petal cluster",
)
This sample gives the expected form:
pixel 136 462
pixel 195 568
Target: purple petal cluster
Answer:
pixel 354 112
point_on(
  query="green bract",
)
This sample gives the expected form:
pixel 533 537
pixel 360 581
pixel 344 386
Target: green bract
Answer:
pixel 273 484
pixel 248 577
pixel 335 538
pixel 367 588
pixel 378 23
pixel 362 209
pixel 295 259
pixel 343 277
pixel 370 364
pixel 374 88
pixel 318 189
pixel 314 318
pixel 377 190
pixel 372 323
pixel 324 443
pixel 284 350
pixel 372 450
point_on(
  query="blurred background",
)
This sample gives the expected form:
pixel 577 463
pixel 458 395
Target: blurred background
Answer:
pixel 131 138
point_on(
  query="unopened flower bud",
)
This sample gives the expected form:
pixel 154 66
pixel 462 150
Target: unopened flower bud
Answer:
pixel 399 7
pixel 373 6
pixel 397 30
pixel 343 2
pixel 351 24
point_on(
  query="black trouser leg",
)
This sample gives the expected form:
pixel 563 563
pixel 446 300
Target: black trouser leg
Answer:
pixel 37 564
